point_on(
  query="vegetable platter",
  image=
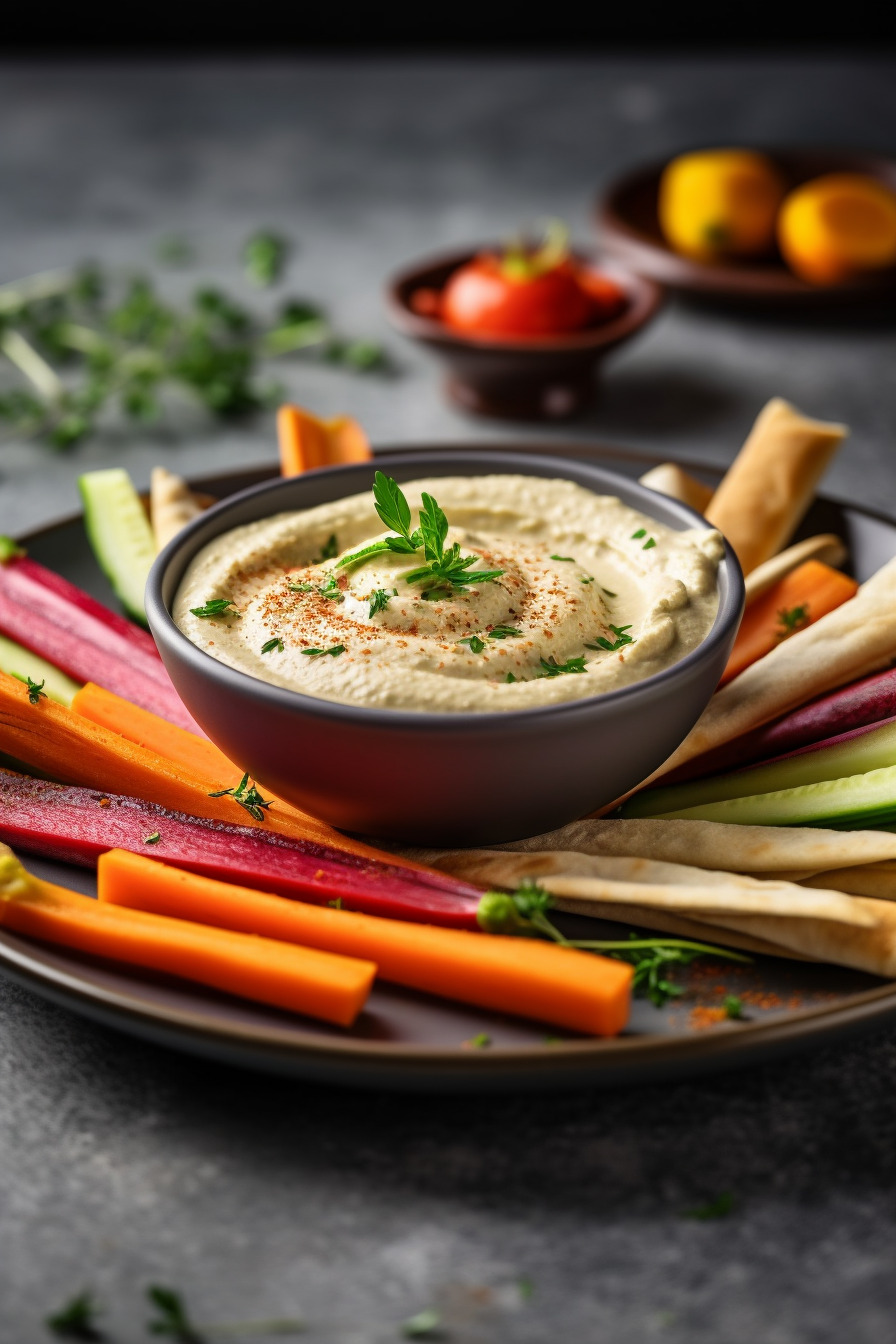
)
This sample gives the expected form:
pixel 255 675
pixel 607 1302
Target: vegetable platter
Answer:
pixel 731 1013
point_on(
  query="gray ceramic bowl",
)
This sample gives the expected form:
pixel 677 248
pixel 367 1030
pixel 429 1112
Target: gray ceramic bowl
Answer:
pixel 465 779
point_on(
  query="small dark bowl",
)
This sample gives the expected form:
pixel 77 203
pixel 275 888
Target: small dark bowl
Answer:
pixel 629 229
pixel 454 779
pixel 548 378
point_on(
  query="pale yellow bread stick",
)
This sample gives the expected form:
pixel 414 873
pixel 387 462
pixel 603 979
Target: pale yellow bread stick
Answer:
pixel 670 479
pixel 827 548
pixel 771 483
pixel 172 505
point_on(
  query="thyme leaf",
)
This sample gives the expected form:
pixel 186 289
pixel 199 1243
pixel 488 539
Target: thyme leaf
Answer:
pixel 476 644
pixel 551 668
pixel 215 606
pixel 621 639
pixel 504 632
pixel 247 796
pixel 273 645
pixel 36 691
pixel 379 600
pixel 334 652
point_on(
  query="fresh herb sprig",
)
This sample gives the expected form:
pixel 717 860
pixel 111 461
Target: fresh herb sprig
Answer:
pixel 273 645
pixel 475 644
pixel 85 341
pixel 525 913
pixel 379 600
pixel 446 572
pixel 247 796
pixel 611 646
pixel 551 668
pixel 215 606
pixel 334 652
pixel 504 632
pixel 792 619
pixel 36 691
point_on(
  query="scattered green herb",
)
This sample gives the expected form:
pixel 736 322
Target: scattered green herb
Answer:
pixel 792 619
pixel 423 1324
pixel 77 1319
pixel 606 592
pixel 36 691
pixel 641 532
pixel 216 606
pixel 173 1318
pixel 152 839
pixel 569 559
pixel 10 550
pixel 479 1042
pixel 504 632
pixel 509 678
pixel 586 578
pixel 476 644
pixel 720 1207
pixel 551 668
pixel 328 551
pixel 649 544
pixel 330 590
pixel 379 600
pixel 247 796
pixel 274 645
pixel 334 652
pixel 301 587
pixel 337 904
pixel 621 639
pixel 264 257
pixel 734 1006
pixel 525 913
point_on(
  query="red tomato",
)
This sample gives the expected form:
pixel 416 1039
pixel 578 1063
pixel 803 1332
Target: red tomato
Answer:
pixel 481 297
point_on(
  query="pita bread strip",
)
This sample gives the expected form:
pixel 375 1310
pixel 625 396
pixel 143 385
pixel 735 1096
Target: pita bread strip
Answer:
pixel 771 483
pixel 876 881
pixel 717 844
pixel 661 886
pixel 670 479
pixel 870 947
pixel 678 926
pixel 857 638
pixel 172 505
pixel 827 548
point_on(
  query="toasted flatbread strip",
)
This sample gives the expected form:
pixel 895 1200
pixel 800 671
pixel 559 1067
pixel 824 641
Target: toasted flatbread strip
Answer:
pixel 877 880
pixel 651 885
pixel 867 947
pixel 771 482
pixel 670 479
pixel 857 638
pixel 172 505
pixel 719 845
pixel 826 547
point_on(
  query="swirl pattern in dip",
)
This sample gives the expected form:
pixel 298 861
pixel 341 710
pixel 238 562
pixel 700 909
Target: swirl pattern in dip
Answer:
pixel 594 595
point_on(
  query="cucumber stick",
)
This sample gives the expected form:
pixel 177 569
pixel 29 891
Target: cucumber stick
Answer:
pixel 847 804
pixel 872 750
pixel 18 662
pixel 119 532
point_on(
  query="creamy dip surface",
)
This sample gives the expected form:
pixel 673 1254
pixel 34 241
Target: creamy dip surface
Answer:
pixel 594 595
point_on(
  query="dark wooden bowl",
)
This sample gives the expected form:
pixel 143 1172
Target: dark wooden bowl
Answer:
pixel 548 378
pixel 630 231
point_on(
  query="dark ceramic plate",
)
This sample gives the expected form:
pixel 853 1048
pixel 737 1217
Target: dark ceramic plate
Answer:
pixel 630 231
pixel 405 1040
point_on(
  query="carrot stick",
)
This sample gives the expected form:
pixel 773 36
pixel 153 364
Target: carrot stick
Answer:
pixel 67 747
pixel 307 442
pixel 198 755
pixel 532 979
pixel 799 599
pixel 318 984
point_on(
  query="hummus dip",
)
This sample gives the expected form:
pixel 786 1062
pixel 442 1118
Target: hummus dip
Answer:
pixel 593 596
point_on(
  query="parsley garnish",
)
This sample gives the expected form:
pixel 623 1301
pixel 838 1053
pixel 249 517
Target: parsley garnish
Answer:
pixel 587 578
pixel 607 593
pixel 445 573
pixel 566 558
pixel 301 587
pixel 621 639
pixel 379 600
pixel 509 678
pixel 77 1319
pixel 152 839
pixel 334 652
pixel 720 1207
pixel 173 1319
pixel 504 632
pixel 649 544
pixel 476 644
pixel 215 606
pixel 328 551
pixel 796 618
pixel 273 645
pixel 525 913
pixel 330 590
pixel 247 796
pixel 423 1324
pixel 36 691
pixel 641 532
pixel 734 1006
pixel 551 668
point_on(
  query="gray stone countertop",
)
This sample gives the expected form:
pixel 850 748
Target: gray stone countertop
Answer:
pixel 123 1164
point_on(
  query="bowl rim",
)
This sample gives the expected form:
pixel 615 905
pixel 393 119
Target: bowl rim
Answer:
pixel 646 295
pixel 164 628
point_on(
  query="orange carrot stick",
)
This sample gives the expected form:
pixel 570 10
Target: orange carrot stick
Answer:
pixel 67 747
pixel 799 599
pixel 514 975
pixel 307 442
pixel 318 984
pixel 198 755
